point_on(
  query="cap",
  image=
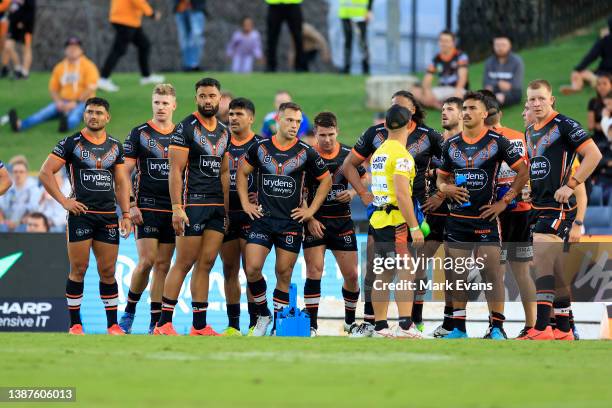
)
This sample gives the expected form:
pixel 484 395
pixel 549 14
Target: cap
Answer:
pixel 397 117
pixel 73 41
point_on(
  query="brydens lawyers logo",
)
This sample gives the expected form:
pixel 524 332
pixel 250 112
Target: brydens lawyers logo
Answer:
pixel 7 262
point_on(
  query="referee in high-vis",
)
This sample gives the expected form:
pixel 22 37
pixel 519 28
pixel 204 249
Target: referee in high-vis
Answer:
pixel 278 12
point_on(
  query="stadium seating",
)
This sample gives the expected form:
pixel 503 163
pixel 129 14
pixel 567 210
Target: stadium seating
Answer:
pixel 596 197
pixel 598 218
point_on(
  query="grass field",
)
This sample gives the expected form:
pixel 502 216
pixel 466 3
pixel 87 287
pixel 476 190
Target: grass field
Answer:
pixel 344 95
pixel 320 372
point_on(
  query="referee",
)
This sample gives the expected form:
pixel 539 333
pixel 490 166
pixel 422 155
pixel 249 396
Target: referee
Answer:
pixel 278 12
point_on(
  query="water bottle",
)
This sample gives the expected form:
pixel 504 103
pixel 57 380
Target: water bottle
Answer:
pixel 461 181
pixel 501 192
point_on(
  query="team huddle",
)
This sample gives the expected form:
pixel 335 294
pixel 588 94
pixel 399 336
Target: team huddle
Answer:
pixel 202 189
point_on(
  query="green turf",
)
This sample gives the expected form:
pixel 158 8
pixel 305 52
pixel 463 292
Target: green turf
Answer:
pixel 345 95
pixel 321 372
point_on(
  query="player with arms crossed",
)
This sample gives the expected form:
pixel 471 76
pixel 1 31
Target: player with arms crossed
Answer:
pixel 199 191
pixel 476 155
pixel 552 144
pixel 282 162
pixel 331 227
pixel 241 117
pixel 95 163
pixel 146 150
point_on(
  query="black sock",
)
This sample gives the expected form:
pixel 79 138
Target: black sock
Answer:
pixel 368 313
pixel 571 320
pixel 252 314
pixel 312 296
pixel 405 322
pixel 132 301
pixel 545 295
pixel 459 317
pixel 74 297
pixel 553 323
pixel 281 299
pixel 497 320
pixel 109 292
pixel 419 298
pixel 233 315
pixel 167 311
pixel 350 305
pixel 562 314
pixel 258 290
pixel 156 308
pixel 448 323
pixel 380 324
pixel 199 314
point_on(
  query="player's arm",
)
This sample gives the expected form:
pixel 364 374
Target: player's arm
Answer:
pixel 492 211
pixel 177 158
pixel 427 82
pixel 5 180
pixel 305 214
pixel 462 78
pixel 52 165
pixel 350 169
pixel 225 181
pixel 406 207
pixel 582 202
pixel 122 192
pixel 242 188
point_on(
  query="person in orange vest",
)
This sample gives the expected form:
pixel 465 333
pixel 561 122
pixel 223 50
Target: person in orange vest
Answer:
pixel 126 18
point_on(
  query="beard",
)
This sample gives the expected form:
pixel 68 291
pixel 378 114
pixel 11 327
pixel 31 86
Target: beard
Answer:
pixel 95 128
pixel 208 113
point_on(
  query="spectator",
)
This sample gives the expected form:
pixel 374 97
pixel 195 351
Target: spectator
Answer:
pixel 73 81
pixel 604 178
pixel 5 179
pixel 245 47
pixel 55 213
pixel 278 12
pixel 606 117
pixel 504 72
pixel 37 222
pixel 359 13
pixel 190 16
pixel 224 102
pixel 451 67
pixel 601 49
pixel 314 43
pixel 22 198
pixel 126 18
pixel 4 6
pixel 595 108
pixel 270 124
pixel 21 26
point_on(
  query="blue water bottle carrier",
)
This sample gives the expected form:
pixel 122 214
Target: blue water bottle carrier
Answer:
pixel 291 321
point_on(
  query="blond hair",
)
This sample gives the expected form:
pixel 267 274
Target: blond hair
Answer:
pixel 540 83
pixel 164 89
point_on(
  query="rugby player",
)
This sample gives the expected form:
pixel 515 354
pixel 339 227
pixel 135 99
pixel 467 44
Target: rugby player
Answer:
pixel 436 204
pixel 332 226
pixel 146 150
pixel 476 154
pixel 199 191
pixel 517 248
pixel 552 144
pixel 423 144
pixel 241 117
pixel 99 181
pixel 282 162
pixel 5 179
pixel 394 223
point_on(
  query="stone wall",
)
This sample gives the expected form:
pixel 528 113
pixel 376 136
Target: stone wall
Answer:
pixel 88 19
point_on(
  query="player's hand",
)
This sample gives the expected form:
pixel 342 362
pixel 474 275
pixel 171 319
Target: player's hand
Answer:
pixel 125 227
pixel 491 211
pixel 366 198
pixel 253 198
pixel 136 216
pixel 302 214
pixel 316 228
pixel 458 194
pixel 179 220
pixel 563 194
pixel 74 207
pixel 345 196
pixel 575 233
pixel 417 237
pixel 433 203
pixel 254 211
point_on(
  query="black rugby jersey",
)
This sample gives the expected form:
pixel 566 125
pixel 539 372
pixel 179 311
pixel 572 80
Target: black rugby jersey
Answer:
pixel 90 167
pixel 206 147
pixel 236 152
pixel 552 149
pixel 479 161
pixel 333 161
pixel 148 146
pixel 447 69
pixel 282 171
